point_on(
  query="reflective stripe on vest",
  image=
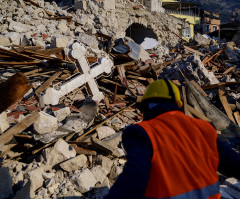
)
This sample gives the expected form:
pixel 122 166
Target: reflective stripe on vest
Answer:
pixel 185 156
pixel 206 192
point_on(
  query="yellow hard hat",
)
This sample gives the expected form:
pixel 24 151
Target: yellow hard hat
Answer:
pixel 163 89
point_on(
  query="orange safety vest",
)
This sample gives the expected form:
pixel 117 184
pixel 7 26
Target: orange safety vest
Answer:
pixel 185 158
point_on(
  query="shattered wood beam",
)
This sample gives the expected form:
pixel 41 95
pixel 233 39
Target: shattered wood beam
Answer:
pixel 33 71
pixel 229 70
pixel 137 77
pixel 47 83
pixel 186 111
pixel 56 18
pixel 19 63
pixel 18 128
pixel 198 114
pixel 219 52
pixel 15 54
pixel 94 128
pixel 199 88
pixel 216 85
pixel 193 51
pixel 223 99
pixel 237 117
pixel 87 76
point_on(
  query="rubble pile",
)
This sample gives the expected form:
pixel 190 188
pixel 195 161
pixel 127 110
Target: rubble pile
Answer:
pixel 71 82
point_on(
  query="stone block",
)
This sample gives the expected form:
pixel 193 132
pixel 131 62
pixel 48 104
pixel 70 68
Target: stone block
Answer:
pixel 5 41
pixel 3 121
pixel 109 4
pixel 62 26
pixel 105 162
pixel 61 42
pixel 6 183
pixel 60 152
pixel 99 173
pixel 84 181
pixel 75 163
pixel 104 131
pixel 14 37
pixel 45 123
pixel 114 140
pixel 105 147
pixel 36 178
pixel 61 114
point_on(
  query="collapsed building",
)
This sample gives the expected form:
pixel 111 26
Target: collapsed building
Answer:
pixel 71 76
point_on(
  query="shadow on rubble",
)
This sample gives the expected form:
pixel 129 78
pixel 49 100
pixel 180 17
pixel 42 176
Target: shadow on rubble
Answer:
pixel 95 193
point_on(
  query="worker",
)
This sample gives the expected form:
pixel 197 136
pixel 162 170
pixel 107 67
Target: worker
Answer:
pixel 169 154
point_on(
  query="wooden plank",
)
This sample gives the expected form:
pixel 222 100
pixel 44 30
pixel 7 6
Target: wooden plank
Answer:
pixel 193 51
pixel 19 63
pixel 47 83
pixel 219 52
pixel 199 88
pixel 186 111
pixel 18 128
pixel 229 70
pixel 198 114
pixel 33 71
pixel 223 99
pixel 56 18
pixel 237 117
pixel 17 55
pixel 216 85
pixel 137 77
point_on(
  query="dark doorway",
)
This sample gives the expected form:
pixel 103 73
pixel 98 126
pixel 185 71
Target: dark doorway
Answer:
pixel 138 32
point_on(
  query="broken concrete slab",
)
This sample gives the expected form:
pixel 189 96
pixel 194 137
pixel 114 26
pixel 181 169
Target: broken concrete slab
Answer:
pixel 59 152
pixel 99 173
pixel 76 163
pixel 51 136
pixel 4 41
pixel 114 140
pixel 105 162
pixel 84 181
pixel 104 131
pixel 35 177
pixel 105 147
pixel 6 183
pixel 4 125
pixel 78 52
pixel 193 69
pixel 61 114
pixel 45 123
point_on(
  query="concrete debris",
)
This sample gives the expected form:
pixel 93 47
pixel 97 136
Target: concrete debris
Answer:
pixel 71 73
pixel 61 114
pixel 104 131
pixel 3 122
pixel 45 123
pixel 84 181
pixel 59 152
pixel 73 164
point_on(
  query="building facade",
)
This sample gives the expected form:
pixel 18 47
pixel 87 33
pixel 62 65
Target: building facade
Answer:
pixel 184 10
pixel 210 21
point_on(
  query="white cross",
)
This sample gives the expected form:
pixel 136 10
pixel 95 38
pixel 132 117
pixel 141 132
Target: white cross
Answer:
pixel 104 65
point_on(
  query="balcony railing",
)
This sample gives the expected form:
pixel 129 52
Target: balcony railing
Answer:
pixel 187 13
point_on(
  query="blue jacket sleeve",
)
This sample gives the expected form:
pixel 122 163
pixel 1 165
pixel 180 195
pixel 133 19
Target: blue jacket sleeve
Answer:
pixel 132 182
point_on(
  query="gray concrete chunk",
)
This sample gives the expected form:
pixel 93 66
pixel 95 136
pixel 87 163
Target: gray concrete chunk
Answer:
pixel 45 123
pixel 84 181
pixel 75 163
pixel 60 152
